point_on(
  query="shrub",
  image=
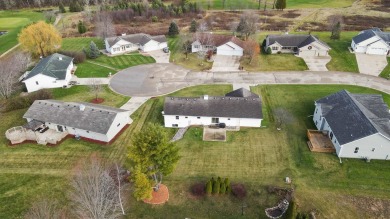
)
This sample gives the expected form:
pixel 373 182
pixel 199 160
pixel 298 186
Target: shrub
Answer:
pixel 227 182
pixel 239 190
pixel 228 189
pixel 216 187
pixel 81 27
pixel 154 19
pixel 26 101
pixel 269 51
pixel 199 16
pixel 209 187
pixel 223 188
pixel 279 52
pixel 219 180
pixel 198 189
pixel 78 57
pixel 61 8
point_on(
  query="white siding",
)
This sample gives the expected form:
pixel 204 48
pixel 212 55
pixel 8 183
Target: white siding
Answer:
pixel 375 146
pixel 230 48
pixel 374 46
pixel 41 81
pixel 151 46
pixel 317 49
pixel 184 121
pixel 120 121
pixel 122 46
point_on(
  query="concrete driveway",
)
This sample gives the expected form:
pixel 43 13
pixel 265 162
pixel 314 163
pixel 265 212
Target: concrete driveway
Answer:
pixel 160 56
pixel 371 64
pixel 226 63
pixel 316 63
pixel 149 80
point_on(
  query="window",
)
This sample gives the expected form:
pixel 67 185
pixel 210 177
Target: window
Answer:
pixel 274 48
pixel 186 117
pixel 127 46
pixel 177 117
pixel 196 46
pixel 87 131
pixel 175 125
pixel 373 149
pixel 316 110
pixel 228 118
pixel 118 125
pixel 37 83
pixel 316 122
pixel 356 150
pixel 331 135
pixel 198 117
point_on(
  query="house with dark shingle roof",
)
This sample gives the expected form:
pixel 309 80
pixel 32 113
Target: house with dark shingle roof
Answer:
pixel 222 44
pixel 51 72
pixel 302 45
pixel 237 108
pixel 357 124
pixel 372 41
pixel 133 42
pixel 91 121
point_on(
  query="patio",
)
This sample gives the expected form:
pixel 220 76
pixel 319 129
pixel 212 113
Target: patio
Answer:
pixel 20 134
pixel 319 142
pixel 214 134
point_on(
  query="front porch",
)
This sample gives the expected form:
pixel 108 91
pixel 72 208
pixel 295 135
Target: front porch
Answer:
pixel 319 142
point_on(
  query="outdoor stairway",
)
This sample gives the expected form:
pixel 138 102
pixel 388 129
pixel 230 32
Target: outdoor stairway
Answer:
pixel 179 134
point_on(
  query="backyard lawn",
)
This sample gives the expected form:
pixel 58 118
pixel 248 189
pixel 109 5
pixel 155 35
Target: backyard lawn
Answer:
pixel 78 43
pixel 256 157
pixel 91 70
pixel 124 61
pixel 13 22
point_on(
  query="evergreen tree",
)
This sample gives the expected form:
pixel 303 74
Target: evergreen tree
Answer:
pixel 284 4
pixel 93 51
pixel 81 27
pixel 336 31
pixel 173 29
pixel 142 185
pixel 75 6
pixel 227 182
pixel 216 187
pixel 223 188
pixel 209 187
pixel 61 8
pixel 193 26
pixel 279 4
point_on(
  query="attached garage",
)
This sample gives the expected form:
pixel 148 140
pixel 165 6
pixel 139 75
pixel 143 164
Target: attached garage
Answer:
pixel 230 49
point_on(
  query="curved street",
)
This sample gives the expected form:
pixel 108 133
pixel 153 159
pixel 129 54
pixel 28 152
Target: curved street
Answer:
pixel 160 79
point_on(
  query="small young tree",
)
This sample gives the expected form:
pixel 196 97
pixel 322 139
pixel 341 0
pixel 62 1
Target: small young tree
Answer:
pixel 173 29
pixel 93 51
pixel 61 8
pixel 50 16
pixel 95 86
pixel 81 27
pixel 336 30
pixel 209 187
pixel 186 44
pixel 282 116
pixel 223 188
pixel 269 50
pixel 216 187
pixel 251 49
pixel 193 26
pixel 44 209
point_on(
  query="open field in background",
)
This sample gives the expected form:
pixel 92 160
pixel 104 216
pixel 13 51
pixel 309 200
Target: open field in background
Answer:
pixel 13 22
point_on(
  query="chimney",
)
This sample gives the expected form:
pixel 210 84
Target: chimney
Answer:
pixel 205 97
pixel 82 107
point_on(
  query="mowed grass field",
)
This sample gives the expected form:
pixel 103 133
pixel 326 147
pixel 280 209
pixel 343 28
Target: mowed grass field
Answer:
pixel 13 22
pixel 256 157
pixel 80 43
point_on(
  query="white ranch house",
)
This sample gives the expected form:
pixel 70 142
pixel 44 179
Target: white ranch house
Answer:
pixel 301 45
pixel 134 42
pixel 84 120
pixel 221 44
pixel 51 72
pixel 235 109
pixel 372 41
pixel 357 124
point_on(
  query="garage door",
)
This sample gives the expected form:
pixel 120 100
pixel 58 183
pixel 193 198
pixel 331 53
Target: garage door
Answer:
pixel 322 53
pixel 307 53
pixel 229 52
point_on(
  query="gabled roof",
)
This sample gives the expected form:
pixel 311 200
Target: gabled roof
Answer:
pixel 54 66
pixel 215 106
pixel 355 116
pixel 139 38
pixel 95 118
pixel 294 40
pixel 217 39
pixel 367 34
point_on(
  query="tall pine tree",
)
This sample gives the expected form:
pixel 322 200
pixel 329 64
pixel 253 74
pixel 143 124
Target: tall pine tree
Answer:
pixel 193 26
pixel 93 51
pixel 336 29
pixel 173 29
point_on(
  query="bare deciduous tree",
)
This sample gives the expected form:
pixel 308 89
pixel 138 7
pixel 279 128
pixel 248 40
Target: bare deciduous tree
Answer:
pixel 251 49
pixel 45 209
pixel 10 70
pixel 206 41
pixel 248 24
pixel 95 86
pixel 94 193
pixel 185 42
pixel 49 15
pixel 104 25
pixel 282 116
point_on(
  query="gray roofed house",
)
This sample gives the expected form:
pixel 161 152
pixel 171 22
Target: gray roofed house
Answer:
pixel 132 42
pixel 351 118
pixel 372 41
pixel 237 108
pixel 88 120
pixel 52 71
pixel 296 43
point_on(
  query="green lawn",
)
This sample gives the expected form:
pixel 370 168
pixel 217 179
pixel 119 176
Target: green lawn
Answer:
pixel 275 62
pixel 13 22
pixel 318 3
pixel 386 72
pixel 124 61
pixel 78 43
pixel 257 157
pixel 90 70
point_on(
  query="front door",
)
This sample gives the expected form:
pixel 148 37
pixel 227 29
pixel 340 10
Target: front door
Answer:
pixel 123 48
pixel 60 128
pixel 214 120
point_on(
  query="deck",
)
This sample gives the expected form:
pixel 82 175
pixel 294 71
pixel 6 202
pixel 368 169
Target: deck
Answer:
pixel 20 134
pixel 319 142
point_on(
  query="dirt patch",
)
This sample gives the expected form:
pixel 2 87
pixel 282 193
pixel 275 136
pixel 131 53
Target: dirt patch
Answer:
pixel 159 197
pixel 291 14
pixel 214 134
pixel 375 208
pixel 277 25
pixel 361 22
pixel 97 100
pixel 313 26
